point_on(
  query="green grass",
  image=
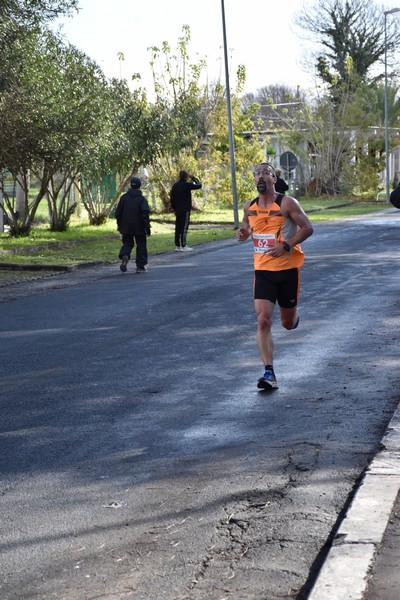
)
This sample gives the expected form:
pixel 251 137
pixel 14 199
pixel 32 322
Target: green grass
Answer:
pixel 82 242
pixel 321 210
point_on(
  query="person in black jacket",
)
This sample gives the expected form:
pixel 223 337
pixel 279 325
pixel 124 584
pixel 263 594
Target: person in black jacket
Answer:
pixel 395 197
pixel 181 203
pixel 280 184
pixel 133 221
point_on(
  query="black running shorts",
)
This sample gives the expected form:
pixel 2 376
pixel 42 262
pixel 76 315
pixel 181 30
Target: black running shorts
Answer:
pixel 281 286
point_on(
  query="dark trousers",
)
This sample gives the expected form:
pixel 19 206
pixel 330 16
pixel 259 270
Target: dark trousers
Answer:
pixel 128 243
pixel 181 228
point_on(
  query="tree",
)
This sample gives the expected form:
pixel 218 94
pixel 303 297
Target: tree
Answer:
pixel 131 136
pixel 279 105
pixel 328 143
pixel 64 122
pixel 180 100
pixel 20 22
pixel 248 144
pixel 370 146
pixel 35 11
pixel 196 126
pixel 52 111
pixel 337 140
pixel 349 37
pixel 347 33
pixel 18 18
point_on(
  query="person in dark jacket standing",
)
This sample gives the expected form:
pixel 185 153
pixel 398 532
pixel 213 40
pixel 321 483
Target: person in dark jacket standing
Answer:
pixel 133 221
pixel 280 184
pixel 395 197
pixel 181 203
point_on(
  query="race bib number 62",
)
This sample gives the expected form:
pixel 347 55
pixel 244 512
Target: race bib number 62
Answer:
pixel 263 242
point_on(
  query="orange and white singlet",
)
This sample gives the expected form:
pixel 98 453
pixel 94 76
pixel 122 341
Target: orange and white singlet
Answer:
pixel 269 225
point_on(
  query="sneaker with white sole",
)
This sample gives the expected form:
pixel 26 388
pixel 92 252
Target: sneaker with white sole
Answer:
pixel 178 249
pixel 141 269
pixel 124 262
pixel 186 249
pixel 267 381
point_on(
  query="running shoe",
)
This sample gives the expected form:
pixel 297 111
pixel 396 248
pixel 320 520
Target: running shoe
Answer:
pixel 124 262
pixel 186 249
pixel 141 269
pixel 267 381
pixel 178 249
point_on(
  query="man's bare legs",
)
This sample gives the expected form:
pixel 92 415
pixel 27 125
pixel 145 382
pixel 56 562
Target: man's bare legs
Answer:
pixel 264 310
pixel 289 319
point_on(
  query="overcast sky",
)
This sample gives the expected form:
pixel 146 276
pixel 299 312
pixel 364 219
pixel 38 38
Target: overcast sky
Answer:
pixel 260 35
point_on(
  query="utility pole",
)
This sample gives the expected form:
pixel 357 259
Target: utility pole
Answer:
pixel 387 157
pixel 231 139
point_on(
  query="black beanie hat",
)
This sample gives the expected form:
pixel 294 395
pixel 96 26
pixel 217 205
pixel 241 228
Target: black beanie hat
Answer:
pixel 135 183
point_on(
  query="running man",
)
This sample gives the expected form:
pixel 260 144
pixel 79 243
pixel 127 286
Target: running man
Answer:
pixel 277 224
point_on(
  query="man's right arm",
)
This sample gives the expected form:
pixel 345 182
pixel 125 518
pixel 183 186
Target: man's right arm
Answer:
pixel 146 215
pixel 196 185
pixel 172 198
pixel 118 213
pixel 244 230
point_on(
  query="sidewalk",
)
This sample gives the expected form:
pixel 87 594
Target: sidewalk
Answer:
pixel 384 583
pixel 364 561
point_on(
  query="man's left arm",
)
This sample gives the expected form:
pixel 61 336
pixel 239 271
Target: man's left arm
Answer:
pixel 146 215
pixel 292 209
pixel 118 213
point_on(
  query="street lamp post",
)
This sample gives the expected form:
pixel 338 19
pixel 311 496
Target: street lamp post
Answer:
pixel 230 127
pixel 387 12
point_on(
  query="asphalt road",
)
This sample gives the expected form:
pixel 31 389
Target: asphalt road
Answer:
pixel 138 458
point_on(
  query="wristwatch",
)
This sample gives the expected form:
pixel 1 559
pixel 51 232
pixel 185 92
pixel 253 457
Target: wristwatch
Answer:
pixel 286 247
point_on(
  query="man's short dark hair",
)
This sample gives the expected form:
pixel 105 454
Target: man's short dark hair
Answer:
pixel 270 168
